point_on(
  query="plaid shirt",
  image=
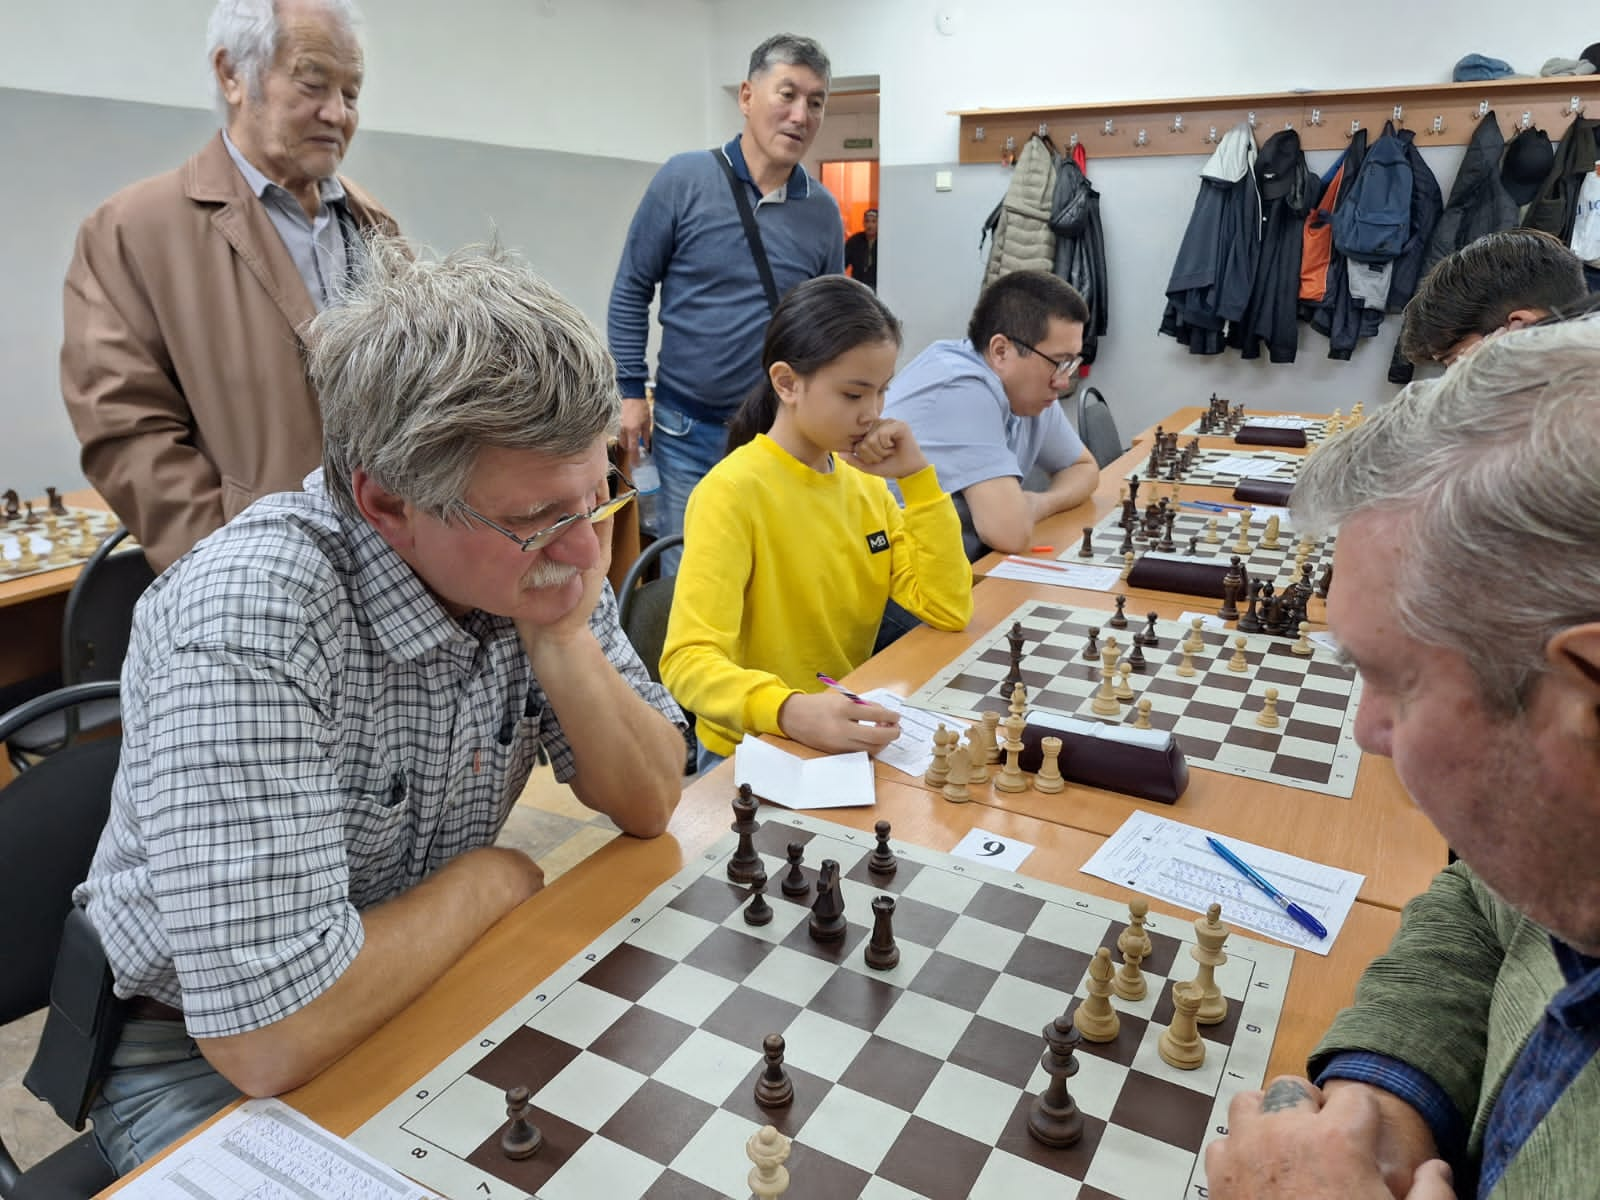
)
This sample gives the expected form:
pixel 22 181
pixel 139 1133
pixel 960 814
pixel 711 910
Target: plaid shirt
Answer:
pixel 306 733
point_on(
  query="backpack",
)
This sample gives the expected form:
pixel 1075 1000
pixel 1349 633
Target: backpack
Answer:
pixel 1372 222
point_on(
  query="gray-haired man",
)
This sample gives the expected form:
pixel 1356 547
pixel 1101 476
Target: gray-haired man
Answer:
pixel 332 704
pixel 1467 593
pixel 186 298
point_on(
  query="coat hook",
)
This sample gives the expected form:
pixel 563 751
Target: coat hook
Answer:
pixel 1527 120
pixel 1437 126
pixel 1399 114
pixel 1355 128
pixel 1142 140
pixel 1177 123
pixel 1213 138
pixel 1315 118
pixel 977 133
pixel 1044 129
pixel 1109 127
pixel 1251 117
pixel 1073 140
pixel 1483 109
pixel 1574 107
pixel 1288 124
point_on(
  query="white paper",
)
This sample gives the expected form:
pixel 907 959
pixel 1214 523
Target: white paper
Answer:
pixel 265 1150
pixel 1062 574
pixel 1324 639
pixel 1246 467
pixel 832 781
pixel 911 752
pixel 1207 621
pixel 1172 861
pixel 1282 422
pixel 982 846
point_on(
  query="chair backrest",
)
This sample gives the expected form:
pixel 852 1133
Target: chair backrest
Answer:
pixel 50 822
pixel 99 613
pixel 1097 427
pixel 643 608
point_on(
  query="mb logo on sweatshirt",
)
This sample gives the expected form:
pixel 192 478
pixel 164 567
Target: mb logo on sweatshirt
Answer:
pixel 878 542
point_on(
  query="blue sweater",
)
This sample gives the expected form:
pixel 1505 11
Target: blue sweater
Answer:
pixel 686 237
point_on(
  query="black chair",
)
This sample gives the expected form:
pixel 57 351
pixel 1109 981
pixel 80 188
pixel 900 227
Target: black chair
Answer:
pixel 50 822
pixel 643 608
pixel 94 641
pixel 1098 428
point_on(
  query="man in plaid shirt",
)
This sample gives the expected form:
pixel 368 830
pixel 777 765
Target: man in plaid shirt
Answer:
pixel 331 704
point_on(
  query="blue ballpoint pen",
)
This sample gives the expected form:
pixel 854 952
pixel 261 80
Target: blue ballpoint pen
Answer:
pixel 1289 906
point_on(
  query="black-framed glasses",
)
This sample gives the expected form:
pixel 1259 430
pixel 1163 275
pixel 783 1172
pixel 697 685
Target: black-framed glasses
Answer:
pixel 1060 367
pixel 618 484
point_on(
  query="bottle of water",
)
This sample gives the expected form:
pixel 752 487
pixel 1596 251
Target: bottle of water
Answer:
pixel 648 480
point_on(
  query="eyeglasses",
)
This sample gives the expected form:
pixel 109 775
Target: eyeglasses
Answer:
pixel 1060 367
pixel 621 489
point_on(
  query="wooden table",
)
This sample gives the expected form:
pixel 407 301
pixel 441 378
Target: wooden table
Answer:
pixel 536 939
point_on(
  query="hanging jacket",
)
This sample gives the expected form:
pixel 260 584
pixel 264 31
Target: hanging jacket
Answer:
pixel 1478 205
pixel 1555 205
pixel 1339 316
pixel 1289 190
pixel 1022 237
pixel 1427 202
pixel 1080 244
pixel 1316 241
pixel 1216 263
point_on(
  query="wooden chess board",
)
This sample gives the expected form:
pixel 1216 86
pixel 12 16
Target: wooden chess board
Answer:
pixel 642 1052
pixel 1212 713
pixel 1211 468
pixel 1276 566
pixel 56 540
pixel 1316 431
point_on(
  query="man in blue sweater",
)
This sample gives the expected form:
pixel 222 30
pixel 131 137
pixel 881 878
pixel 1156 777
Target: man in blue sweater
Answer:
pixel 687 238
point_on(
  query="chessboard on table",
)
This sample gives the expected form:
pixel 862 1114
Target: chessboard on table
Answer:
pixel 1276 566
pixel 1211 468
pixel 1211 714
pixel 642 1053
pixel 1317 429
pixel 64 536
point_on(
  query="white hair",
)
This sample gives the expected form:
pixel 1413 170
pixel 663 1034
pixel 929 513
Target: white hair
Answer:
pixel 247 30
pixel 1494 470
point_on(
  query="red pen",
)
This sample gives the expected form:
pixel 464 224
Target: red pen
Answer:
pixel 840 688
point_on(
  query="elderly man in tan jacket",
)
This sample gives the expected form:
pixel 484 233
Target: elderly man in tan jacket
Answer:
pixel 188 292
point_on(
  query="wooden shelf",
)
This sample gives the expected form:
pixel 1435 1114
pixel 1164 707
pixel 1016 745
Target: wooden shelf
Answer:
pixel 1112 128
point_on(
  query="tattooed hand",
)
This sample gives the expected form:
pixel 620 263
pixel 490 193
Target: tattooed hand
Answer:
pixel 1297 1142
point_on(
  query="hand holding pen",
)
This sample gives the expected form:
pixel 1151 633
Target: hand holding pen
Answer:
pixel 837 720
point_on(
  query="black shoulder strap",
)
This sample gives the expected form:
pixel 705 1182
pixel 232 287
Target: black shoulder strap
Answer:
pixel 752 234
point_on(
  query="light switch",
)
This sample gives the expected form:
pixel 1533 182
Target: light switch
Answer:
pixel 942 181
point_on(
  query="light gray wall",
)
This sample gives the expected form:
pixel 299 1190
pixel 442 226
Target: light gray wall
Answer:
pixel 567 213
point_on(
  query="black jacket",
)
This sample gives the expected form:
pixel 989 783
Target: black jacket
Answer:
pixel 1338 316
pixel 1555 204
pixel 1216 264
pixel 1289 190
pixel 1427 203
pixel 1081 248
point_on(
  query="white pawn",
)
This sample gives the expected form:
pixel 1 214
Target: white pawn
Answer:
pixel 768 1149
pixel 1239 662
pixel 1267 718
pixel 1144 714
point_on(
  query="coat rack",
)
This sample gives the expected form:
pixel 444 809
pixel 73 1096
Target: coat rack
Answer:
pixel 1441 114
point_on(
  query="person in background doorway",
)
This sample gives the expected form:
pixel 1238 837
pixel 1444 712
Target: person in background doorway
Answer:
pixel 861 251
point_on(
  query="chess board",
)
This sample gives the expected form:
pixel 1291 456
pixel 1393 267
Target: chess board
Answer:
pixel 1316 431
pixel 1209 470
pixel 642 1053
pixel 1276 566
pixel 57 541
pixel 1212 713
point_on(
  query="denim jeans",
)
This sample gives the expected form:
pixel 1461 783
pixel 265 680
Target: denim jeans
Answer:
pixel 684 449
pixel 157 1088
pixel 704 759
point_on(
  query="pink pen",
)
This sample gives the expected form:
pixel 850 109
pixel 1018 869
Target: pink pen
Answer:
pixel 840 688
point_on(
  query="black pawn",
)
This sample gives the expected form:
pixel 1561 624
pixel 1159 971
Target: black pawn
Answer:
pixel 1148 634
pixel 882 953
pixel 1251 621
pixel 521 1138
pixel 827 922
pixel 1087 549
pixel 1092 650
pixel 1194 544
pixel 758 911
pixel 1127 540
pixel 1119 620
pixel 745 862
pixel 1136 657
pixel 794 883
pixel 883 863
pixel 774 1089
pixel 1054 1118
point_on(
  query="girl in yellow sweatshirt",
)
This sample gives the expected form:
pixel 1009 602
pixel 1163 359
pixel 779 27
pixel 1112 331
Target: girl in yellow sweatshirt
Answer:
pixel 793 542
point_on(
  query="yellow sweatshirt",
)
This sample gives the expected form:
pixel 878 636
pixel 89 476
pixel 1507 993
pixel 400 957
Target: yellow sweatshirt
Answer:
pixel 785 573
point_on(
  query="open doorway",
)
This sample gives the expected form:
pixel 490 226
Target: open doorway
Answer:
pixel 845 158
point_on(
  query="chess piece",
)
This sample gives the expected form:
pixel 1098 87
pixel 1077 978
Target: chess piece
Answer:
pixel 882 954
pixel 1196 640
pixel 758 911
pixel 1119 620
pixel 1213 538
pixel 59 509
pixel 939 770
pixel 978 743
pixel 1095 1018
pixel 958 775
pixel 521 1138
pixel 1053 1118
pixel 768 1149
pixel 1011 778
pixel 1302 643
pixel 1133 943
pixel 1180 1045
pixel 1135 661
pixel 745 862
pixel 827 923
pixel 1186 664
pixel 1267 718
pixel 1127 566
pixel 1014 637
pixel 1149 636
pixel 1241 545
pixel 1239 662
pixel 1209 933
pixel 991 722
pixel 1105 700
pixel 1232 587
pixel 1091 649
pixel 1124 688
pixel 774 1088
pixel 1087 549
pixel 794 883
pixel 1144 714
pixel 882 864
pixel 1019 700
pixel 28 560
pixel 1049 777
pixel 1269 539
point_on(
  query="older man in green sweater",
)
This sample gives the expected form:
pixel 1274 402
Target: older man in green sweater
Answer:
pixel 1467 593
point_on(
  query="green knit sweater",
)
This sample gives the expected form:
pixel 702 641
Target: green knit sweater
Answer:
pixel 1457 995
